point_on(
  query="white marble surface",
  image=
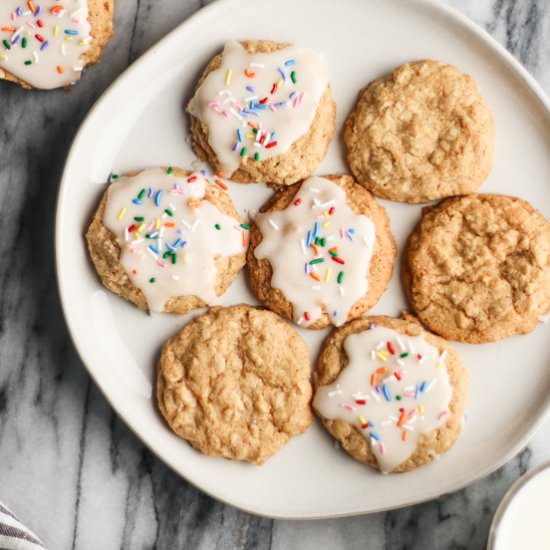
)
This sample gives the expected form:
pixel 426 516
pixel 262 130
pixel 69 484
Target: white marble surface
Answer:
pixel 68 466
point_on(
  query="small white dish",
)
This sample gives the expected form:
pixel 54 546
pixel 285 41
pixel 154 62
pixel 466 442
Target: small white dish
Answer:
pixel 140 122
pixel 521 520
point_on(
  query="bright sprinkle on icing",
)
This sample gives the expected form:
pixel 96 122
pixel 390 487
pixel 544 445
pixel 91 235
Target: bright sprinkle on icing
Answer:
pixel 257 105
pixel 42 41
pixel 169 235
pixel 394 388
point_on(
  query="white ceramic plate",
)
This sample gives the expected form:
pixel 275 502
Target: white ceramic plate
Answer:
pixel 140 122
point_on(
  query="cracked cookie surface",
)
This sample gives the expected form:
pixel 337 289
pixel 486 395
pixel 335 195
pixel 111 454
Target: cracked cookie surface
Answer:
pixel 477 268
pixel 235 382
pixel 422 132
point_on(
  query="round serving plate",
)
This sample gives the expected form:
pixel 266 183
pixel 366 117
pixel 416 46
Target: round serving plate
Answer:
pixel 140 122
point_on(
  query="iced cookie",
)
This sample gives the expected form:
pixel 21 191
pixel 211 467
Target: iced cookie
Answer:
pixel 167 240
pixel 46 44
pixel 390 393
pixel 235 382
pixel 321 251
pixel 477 268
pixel 423 132
pixel 263 111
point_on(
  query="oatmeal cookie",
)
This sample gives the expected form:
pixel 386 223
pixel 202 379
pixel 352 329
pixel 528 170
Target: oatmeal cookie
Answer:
pixel 235 383
pixel 392 394
pixel 64 42
pixel 321 251
pixel 166 240
pixel 477 268
pixel 263 111
pixel 423 132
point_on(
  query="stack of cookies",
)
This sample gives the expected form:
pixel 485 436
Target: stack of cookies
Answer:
pixel 236 382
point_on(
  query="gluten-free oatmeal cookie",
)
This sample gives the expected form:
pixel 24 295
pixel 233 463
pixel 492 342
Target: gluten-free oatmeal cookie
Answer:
pixel 263 111
pixel 477 268
pixel 422 132
pixel 235 383
pixel 391 393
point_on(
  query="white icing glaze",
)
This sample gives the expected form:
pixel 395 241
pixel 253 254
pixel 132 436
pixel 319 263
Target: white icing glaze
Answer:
pixel 46 39
pixel 365 393
pixel 278 92
pixel 172 250
pixel 345 242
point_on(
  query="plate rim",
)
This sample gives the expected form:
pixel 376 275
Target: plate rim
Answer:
pixel 438 7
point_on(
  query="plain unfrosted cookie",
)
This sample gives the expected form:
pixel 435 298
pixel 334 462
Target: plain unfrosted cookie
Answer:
pixel 359 435
pixel 422 132
pixel 288 167
pixel 105 251
pixel 477 268
pixel 235 382
pixel 379 269
pixel 100 18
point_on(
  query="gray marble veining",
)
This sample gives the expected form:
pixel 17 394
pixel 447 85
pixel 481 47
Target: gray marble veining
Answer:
pixel 68 466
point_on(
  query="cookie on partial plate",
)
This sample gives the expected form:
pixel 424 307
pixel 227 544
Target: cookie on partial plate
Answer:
pixel 392 394
pixel 321 251
pixel 263 111
pixel 167 240
pixel 477 268
pixel 422 132
pixel 47 45
pixel 235 383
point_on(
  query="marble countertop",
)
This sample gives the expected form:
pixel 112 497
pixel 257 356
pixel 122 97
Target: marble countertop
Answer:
pixel 69 467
